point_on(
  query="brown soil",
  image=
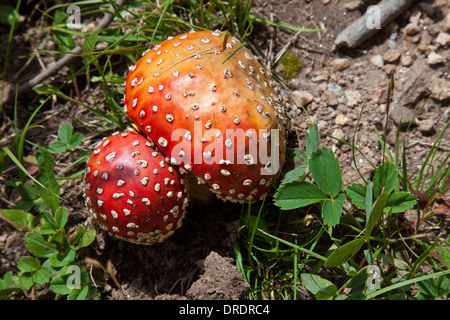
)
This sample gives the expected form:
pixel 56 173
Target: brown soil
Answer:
pixel 196 263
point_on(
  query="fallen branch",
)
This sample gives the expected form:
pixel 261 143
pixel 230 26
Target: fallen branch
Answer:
pixel 375 18
pixel 54 67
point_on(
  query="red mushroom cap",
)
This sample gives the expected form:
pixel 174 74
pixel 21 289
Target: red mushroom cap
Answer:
pixel 212 108
pixel 132 191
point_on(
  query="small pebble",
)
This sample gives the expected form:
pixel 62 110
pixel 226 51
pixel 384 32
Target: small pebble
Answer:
pixel 406 60
pixel 412 29
pixel 443 39
pixel 329 97
pixel 338 134
pixel 392 44
pixel 303 97
pixel 426 127
pixel 341 120
pixel 392 55
pixel 377 61
pixel 434 58
pixel 353 97
pixel 341 64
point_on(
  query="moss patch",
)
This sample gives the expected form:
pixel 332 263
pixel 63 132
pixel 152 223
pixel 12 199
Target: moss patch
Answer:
pixel 290 65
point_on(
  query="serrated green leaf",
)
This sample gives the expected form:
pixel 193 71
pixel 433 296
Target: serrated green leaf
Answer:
pixel 385 176
pixel 46 176
pixel 312 140
pixel 356 193
pixel 344 253
pixel 325 170
pixel 18 218
pixel 298 194
pixel 59 260
pixel 75 141
pixel 296 174
pixel 7 286
pixel 332 210
pixel 65 133
pixel 24 281
pixel 400 202
pixel 38 246
pixel 48 228
pixel 443 255
pixel 321 288
pixel 28 264
pixel 57 146
pixel 59 285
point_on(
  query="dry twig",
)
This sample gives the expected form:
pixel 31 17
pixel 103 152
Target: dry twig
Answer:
pixel 363 28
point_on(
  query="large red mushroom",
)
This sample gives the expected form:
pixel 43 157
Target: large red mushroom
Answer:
pixel 132 191
pixel 212 108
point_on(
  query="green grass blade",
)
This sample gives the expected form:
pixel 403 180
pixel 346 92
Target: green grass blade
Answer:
pixel 405 283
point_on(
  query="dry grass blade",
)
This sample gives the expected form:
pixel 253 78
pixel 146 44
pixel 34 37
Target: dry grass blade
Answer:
pixel 109 269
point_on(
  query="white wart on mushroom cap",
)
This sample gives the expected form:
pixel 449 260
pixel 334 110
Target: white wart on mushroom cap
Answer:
pixel 205 100
pixel 132 191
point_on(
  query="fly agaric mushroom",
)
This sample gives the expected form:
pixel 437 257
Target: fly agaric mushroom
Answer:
pixel 213 109
pixel 132 191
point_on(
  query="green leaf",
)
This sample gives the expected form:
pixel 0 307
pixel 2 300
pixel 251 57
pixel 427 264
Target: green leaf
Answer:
pixel 48 228
pixel 298 194
pixel 443 255
pixel 57 146
pixel 65 132
pixel 8 15
pixel 46 176
pixel 385 176
pixel 78 294
pixel 296 174
pixel 332 210
pixel 18 218
pixel 356 193
pixel 344 253
pixel 38 245
pixel 63 39
pixel 400 202
pixel 312 140
pixel 75 141
pixel 49 225
pixel 83 238
pixel 32 276
pixel 59 260
pixel 321 288
pixel 376 213
pixel 28 264
pixel 7 286
pixel 25 281
pixel 41 276
pixel 59 285
pixel 325 170
pixel 61 217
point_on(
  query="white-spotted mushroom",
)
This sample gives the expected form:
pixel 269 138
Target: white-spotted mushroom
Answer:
pixel 131 190
pixel 213 109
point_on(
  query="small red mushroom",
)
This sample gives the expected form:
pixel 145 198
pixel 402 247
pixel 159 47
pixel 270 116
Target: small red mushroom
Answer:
pixel 132 191
pixel 213 109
